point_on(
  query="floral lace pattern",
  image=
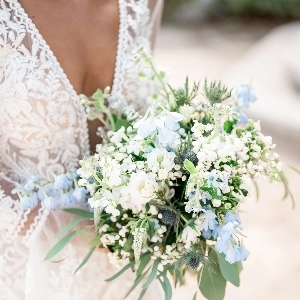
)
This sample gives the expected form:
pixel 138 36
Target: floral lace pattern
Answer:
pixel 43 129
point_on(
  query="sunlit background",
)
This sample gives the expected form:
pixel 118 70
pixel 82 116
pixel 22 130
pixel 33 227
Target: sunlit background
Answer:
pixel 257 41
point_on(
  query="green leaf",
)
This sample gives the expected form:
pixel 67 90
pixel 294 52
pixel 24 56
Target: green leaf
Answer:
pixel 120 123
pixel 136 282
pixel 229 271
pixel 152 275
pixel 168 286
pixel 295 169
pixel 128 243
pixel 256 190
pixel 212 284
pixel 131 264
pixel 69 226
pixel 142 294
pixel 178 277
pixel 85 259
pixel 60 245
pixel 82 233
pixel 286 187
pixel 94 242
pixel 239 266
pixel 190 166
pixel 144 262
pixel 195 296
pixel 228 126
pixel 213 192
pixel 80 212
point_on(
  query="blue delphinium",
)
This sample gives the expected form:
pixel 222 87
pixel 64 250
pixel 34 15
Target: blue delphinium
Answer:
pixel 245 95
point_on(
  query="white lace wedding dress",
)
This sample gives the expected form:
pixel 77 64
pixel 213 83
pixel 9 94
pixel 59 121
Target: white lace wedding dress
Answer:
pixel 43 128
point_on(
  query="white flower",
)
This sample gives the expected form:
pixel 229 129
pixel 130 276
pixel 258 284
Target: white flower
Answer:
pixel 186 111
pixel 161 158
pixel 107 239
pixel 216 203
pixel 189 235
pixel 142 187
pixel 128 165
pixel 111 171
pixel 162 174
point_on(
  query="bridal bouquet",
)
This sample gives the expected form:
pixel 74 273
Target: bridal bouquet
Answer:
pixel 164 189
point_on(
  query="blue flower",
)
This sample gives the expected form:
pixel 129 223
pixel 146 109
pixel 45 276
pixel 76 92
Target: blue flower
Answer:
pixel 246 95
pixel 62 182
pixel 79 194
pixel 223 245
pixel 230 217
pixel 29 202
pixel 168 138
pixel 233 254
pixel 244 253
pixel 171 119
pixel 206 234
pixel 209 220
pixel 31 184
pixel 50 203
pixel 212 179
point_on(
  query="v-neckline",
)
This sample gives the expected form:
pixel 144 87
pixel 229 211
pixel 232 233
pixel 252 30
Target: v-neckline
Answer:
pixel 35 33
pixel 43 42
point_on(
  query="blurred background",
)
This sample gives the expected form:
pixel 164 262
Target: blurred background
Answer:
pixel 257 41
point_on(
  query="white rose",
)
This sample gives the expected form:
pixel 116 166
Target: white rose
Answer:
pixel 142 187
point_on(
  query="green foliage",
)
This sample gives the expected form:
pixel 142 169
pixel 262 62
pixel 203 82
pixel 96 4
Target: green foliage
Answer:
pixel 265 8
pixel 229 271
pixel 190 167
pixel 215 92
pixel 60 245
pixel 80 212
pixel 212 283
pixel 120 122
pixel 85 260
pixel 184 96
pixel 229 125
pixel 69 226
pixel 277 9
pixel 129 265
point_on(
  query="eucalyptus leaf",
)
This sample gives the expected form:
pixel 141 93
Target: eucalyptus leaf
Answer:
pixel 163 285
pixel 195 296
pixel 80 212
pixel 142 294
pixel 152 274
pixel 85 259
pixel 295 169
pixel 60 245
pixel 94 242
pixel 82 233
pixel 168 286
pixel 131 264
pixel 212 284
pixel 69 226
pixel 229 271
pixel 239 266
pixel 136 282
pixel 143 263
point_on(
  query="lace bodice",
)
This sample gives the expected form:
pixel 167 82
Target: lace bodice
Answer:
pixel 43 125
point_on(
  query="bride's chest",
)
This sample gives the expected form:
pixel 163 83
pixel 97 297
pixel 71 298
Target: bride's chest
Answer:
pixel 83 37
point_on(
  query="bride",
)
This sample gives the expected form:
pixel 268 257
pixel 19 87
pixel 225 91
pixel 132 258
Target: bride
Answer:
pixel 51 51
